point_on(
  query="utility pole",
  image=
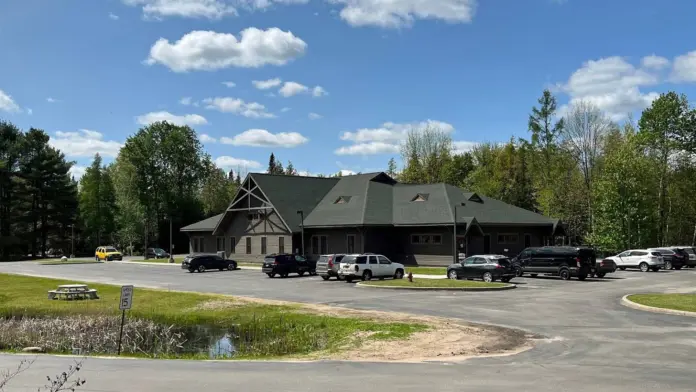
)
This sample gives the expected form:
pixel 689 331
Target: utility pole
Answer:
pixel 455 254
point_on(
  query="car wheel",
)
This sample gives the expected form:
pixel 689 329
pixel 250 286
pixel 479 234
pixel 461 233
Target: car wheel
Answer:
pixel 519 271
pixel 271 275
pixel 399 274
pixel 452 274
pixel 301 273
pixel 668 265
pixel 564 273
pixel 96 258
pixel 201 268
pixel 678 268
pixel 231 266
pixel 325 277
pixel 601 274
pixel 488 277
pixel 644 267
pixel 367 275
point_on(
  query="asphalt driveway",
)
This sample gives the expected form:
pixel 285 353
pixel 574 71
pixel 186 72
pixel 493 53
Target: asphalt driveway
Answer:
pixel 592 342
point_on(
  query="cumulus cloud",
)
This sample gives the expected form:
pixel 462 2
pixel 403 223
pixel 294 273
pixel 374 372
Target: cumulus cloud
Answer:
pixel 185 119
pixel 227 162
pixel 84 143
pixel 8 104
pixel 684 68
pixel 461 147
pixel 209 9
pixel 186 101
pixel 205 138
pixel 403 13
pixel 238 106
pixel 654 62
pixel 266 84
pixel 77 171
pixel 209 50
pixel 386 139
pixel 314 116
pixel 319 91
pixel 613 85
pixel 263 138
pixel 292 88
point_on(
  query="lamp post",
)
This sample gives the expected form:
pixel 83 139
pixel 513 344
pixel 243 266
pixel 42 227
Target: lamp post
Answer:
pixel 302 228
pixel 455 251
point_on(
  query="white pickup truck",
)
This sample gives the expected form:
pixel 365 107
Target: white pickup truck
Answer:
pixel 367 266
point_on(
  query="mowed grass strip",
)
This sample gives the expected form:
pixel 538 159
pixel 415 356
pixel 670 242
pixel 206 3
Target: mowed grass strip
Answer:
pixel 427 270
pixel 58 262
pixel 683 302
pixel 438 283
pixel 271 331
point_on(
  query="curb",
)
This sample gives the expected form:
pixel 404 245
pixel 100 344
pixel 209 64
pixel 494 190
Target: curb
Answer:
pixel 506 287
pixel 628 303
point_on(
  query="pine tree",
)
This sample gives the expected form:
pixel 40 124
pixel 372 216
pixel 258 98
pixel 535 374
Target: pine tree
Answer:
pixel 290 170
pixel 238 180
pixel 391 169
pixel 544 131
pixel 230 176
pixel 272 167
pixel 97 204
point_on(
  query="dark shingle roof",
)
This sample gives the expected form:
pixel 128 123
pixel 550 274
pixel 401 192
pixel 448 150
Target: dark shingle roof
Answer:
pixel 204 225
pixel 288 194
pixel 492 211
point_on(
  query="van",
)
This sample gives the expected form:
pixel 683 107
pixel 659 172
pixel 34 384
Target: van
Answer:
pixel 562 261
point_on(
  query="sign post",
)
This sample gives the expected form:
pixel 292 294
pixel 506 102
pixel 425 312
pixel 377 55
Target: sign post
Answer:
pixel 125 303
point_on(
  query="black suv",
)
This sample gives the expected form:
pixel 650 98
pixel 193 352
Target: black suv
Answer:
pixel 204 262
pixel 563 261
pixel 284 264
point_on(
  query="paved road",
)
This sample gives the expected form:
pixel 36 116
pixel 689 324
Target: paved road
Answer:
pixel 593 342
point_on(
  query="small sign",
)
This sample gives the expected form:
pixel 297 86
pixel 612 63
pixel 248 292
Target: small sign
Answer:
pixel 126 297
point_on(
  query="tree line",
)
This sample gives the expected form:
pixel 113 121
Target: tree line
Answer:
pixel 615 186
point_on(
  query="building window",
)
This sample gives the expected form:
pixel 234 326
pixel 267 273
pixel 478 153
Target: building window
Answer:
pixel 198 245
pixel 426 239
pixel 233 244
pixel 255 217
pixel 320 245
pixel 281 244
pixel 421 197
pixel 263 245
pixel 248 245
pixel 350 243
pixel 508 239
pixel 220 243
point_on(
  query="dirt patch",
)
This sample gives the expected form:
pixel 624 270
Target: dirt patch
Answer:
pixel 445 340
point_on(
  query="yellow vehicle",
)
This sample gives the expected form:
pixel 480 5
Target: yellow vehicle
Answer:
pixel 108 253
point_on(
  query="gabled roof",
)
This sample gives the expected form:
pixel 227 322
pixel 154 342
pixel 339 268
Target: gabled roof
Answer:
pixel 204 225
pixel 491 211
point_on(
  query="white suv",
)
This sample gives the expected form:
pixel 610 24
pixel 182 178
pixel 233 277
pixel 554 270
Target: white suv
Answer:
pixel 644 259
pixel 367 266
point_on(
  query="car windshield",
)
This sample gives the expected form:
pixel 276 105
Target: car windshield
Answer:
pixel 348 259
pixel 110 250
pixel 159 250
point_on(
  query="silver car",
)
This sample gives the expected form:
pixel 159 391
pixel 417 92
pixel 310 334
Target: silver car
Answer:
pixel 328 265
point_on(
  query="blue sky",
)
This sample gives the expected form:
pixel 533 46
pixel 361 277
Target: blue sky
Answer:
pixel 338 82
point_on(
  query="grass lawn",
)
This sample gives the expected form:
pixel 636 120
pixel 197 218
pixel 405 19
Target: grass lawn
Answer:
pixel 267 331
pixel 683 302
pixel 427 270
pixel 58 262
pixel 444 283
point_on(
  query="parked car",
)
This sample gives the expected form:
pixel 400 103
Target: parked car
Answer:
pixel 606 266
pixel 366 266
pixel 156 253
pixel 204 262
pixel 329 265
pixel 562 261
pixel 643 259
pixel 108 253
pixel 669 257
pixel 283 264
pixel 680 259
pixel 691 252
pixel 487 267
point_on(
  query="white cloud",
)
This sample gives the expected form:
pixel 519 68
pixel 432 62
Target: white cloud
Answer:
pixel 210 9
pixel 286 109
pixel 186 101
pixel 84 143
pixel 403 13
pixel 263 138
pixel 319 91
pixel 228 162
pixel 186 119
pixel 461 147
pixel 387 138
pixel 208 50
pixel 292 88
pixel 7 103
pixel 113 16
pixel 77 171
pixel 266 84
pixel 205 138
pixel 654 62
pixel 684 68
pixel 314 116
pixel 51 100
pixel 229 84
pixel 613 85
pixel 238 106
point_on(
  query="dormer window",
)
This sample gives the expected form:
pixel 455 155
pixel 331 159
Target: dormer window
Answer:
pixel 474 197
pixel 421 197
pixel 342 200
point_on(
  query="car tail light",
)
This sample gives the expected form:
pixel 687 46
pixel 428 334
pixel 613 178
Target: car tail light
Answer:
pixel 498 266
pixel 331 261
pixel 275 262
pixel 578 261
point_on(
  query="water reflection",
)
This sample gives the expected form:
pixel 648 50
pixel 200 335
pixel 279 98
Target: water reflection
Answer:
pixel 222 348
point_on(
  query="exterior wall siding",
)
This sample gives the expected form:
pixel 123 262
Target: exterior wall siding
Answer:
pixel 336 240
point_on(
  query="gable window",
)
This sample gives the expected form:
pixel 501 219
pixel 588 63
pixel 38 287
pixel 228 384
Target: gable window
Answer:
pixel 508 238
pixel 421 197
pixel 220 244
pixel 426 239
pixel 342 200
pixel 255 217
pixel 476 198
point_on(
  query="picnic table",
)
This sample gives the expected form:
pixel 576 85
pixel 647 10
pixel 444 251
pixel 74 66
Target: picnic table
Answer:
pixel 73 291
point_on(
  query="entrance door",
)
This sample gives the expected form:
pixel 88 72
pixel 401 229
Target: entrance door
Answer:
pixel 487 244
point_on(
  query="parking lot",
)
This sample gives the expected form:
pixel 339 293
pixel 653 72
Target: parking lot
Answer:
pixel 589 341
